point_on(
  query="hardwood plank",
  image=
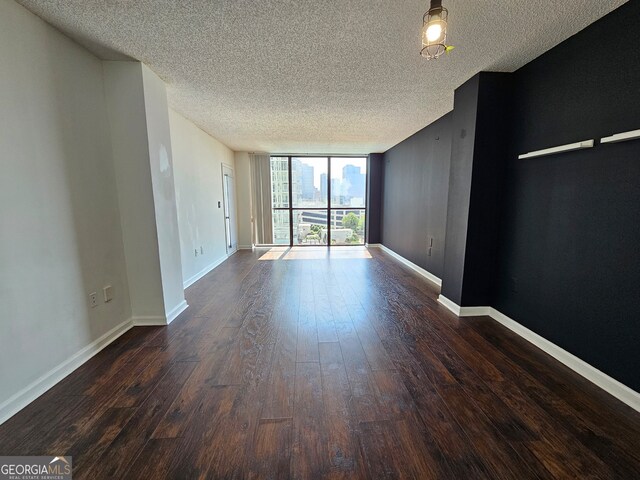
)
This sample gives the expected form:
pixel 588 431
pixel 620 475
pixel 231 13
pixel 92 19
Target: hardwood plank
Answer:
pixel 18 433
pixel 279 391
pixel 441 426
pixel 116 459
pixel 248 294
pixel 324 321
pixel 122 373
pixel 234 437
pixel 344 459
pixel 374 350
pixel 210 447
pixel 377 443
pixel 205 374
pixel 494 449
pixel 98 368
pixel 307 346
pixel 93 445
pixel 271 450
pixel 154 461
pixel 307 457
pixel 133 393
pixel 392 450
pixel 363 396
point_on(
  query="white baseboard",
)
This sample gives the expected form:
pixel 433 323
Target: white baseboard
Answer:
pixel 190 281
pixel 24 397
pixel 464 311
pixel 159 320
pixel 149 321
pixel 453 307
pixel 591 373
pixel 245 247
pixel 428 275
pixel 173 314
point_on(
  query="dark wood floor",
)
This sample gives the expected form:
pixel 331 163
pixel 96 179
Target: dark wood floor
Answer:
pixel 335 367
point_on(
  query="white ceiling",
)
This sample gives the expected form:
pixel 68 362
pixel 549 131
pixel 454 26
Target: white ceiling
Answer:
pixel 315 76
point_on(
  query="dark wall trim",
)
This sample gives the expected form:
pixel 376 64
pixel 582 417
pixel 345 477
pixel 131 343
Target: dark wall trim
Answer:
pixel 374 197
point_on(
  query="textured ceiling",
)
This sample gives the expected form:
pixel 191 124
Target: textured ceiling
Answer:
pixel 315 76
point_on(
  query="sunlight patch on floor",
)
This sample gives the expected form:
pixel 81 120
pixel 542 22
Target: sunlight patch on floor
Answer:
pixel 274 253
pixel 316 253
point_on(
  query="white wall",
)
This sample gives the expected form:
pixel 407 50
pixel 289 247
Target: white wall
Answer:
pixel 243 189
pixel 141 139
pixel 164 194
pixel 197 161
pixel 125 101
pixel 60 235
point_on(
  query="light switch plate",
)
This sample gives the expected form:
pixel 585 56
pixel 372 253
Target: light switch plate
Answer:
pixel 108 293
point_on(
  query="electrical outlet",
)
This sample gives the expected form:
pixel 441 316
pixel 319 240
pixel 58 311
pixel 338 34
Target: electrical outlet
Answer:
pixel 93 299
pixel 107 292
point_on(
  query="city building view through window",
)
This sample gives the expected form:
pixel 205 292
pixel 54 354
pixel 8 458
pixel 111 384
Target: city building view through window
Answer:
pixel 318 200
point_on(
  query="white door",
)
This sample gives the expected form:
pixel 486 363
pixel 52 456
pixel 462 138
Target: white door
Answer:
pixel 229 200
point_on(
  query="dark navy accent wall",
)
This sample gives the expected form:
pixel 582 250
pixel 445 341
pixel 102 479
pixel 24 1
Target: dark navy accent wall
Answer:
pixel 415 185
pixel 493 121
pixel 569 256
pixel 463 128
pixel 480 122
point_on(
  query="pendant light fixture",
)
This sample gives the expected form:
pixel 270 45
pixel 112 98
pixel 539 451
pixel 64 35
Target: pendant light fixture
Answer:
pixel 434 31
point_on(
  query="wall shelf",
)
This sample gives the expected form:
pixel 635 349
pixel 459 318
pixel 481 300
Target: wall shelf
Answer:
pixel 622 137
pixel 560 149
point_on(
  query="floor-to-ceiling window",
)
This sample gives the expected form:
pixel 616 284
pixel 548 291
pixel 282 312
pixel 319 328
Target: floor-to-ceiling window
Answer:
pixel 318 200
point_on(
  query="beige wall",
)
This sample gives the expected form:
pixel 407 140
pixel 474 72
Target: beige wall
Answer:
pixel 243 189
pixel 198 160
pixel 60 233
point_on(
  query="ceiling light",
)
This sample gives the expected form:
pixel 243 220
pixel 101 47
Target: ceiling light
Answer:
pixel 434 31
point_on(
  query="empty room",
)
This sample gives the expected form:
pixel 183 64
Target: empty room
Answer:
pixel 341 239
